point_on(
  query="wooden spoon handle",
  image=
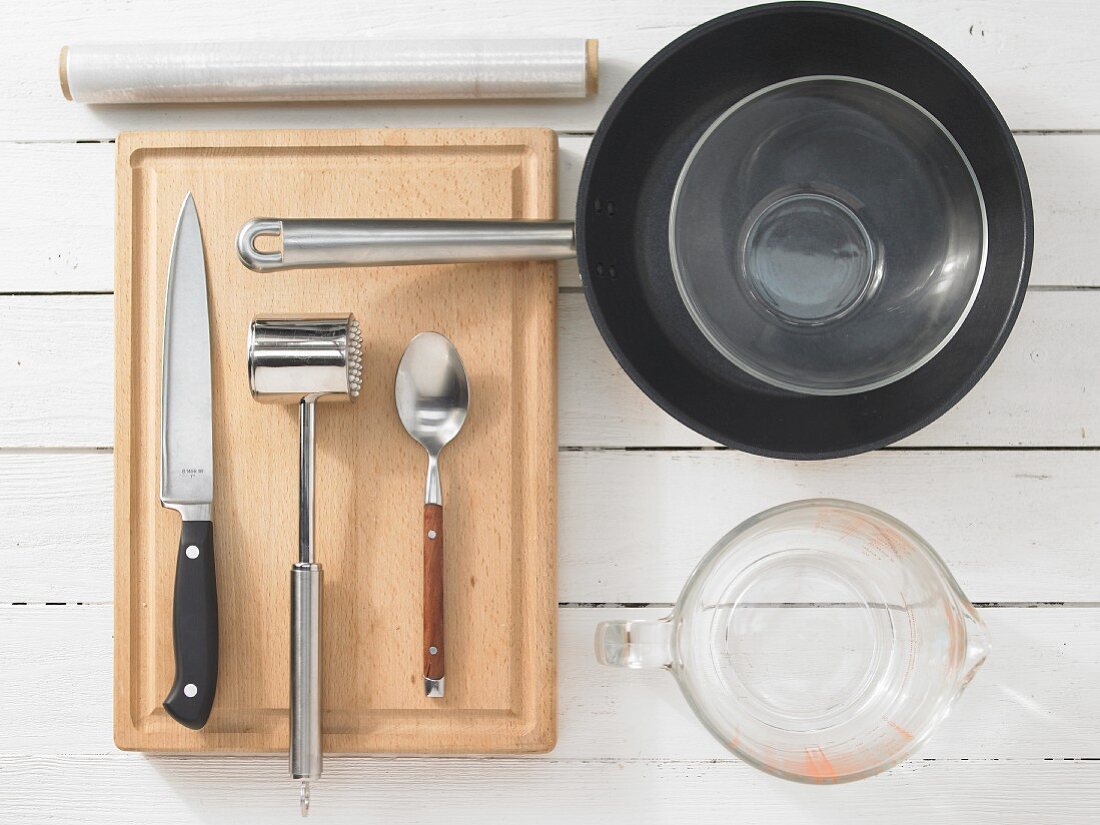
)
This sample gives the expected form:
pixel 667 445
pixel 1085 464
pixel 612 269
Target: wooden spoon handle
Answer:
pixel 433 600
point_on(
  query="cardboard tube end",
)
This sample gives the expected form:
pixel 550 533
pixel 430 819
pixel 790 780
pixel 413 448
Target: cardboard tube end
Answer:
pixel 63 72
pixel 591 66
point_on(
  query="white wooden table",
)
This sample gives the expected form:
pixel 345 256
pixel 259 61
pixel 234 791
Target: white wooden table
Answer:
pixel 1006 486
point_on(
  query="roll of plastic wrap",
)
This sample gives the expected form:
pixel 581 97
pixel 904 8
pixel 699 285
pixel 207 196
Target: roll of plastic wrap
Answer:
pixel 329 70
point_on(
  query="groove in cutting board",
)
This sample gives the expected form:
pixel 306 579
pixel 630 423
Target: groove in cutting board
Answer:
pixel 499 476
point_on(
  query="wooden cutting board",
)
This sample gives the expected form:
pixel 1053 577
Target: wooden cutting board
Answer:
pixel 499 475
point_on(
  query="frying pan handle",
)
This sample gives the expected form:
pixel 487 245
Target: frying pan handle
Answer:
pixel 331 242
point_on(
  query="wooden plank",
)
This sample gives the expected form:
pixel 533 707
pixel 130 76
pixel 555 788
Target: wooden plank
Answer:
pixel 56 533
pixel 1036 60
pixel 59 233
pixel 1035 698
pixel 1064 174
pixel 1012 526
pixel 1040 392
pixel 634 524
pixel 125 789
pixel 1064 177
pixel 55 354
pixel 57 371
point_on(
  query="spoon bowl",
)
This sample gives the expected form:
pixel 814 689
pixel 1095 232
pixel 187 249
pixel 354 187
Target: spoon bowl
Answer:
pixel 432 392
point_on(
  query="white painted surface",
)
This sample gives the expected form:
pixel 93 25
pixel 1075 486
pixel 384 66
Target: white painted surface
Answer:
pixel 63 186
pixel 1016 527
pixel 117 787
pixel 1039 692
pixel 56 356
pixel 1037 60
pixel 1040 392
pixel 1005 486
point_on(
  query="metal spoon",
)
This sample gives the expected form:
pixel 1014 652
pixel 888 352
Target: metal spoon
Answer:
pixel 432 399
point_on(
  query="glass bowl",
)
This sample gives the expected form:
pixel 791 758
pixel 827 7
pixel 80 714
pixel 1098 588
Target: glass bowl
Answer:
pixel 828 235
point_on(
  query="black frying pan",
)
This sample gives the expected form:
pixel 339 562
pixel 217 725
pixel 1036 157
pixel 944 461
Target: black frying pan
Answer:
pixel 634 163
pixel 622 227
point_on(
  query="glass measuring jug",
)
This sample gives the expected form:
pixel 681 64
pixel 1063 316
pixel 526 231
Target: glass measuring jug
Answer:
pixel 821 641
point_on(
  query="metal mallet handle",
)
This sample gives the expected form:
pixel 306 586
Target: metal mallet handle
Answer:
pixel 305 623
pixel 305 675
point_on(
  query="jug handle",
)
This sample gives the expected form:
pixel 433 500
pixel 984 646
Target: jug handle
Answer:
pixel 642 643
pixel 978 645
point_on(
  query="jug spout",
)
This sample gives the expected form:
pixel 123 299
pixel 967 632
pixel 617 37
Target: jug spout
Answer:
pixel 636 644
pixel 978 644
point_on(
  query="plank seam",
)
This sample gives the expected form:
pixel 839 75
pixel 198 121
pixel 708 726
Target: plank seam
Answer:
pixel 562 290
pixel 105 449
pixel 993 605
pixel 193 759
pixel 563 133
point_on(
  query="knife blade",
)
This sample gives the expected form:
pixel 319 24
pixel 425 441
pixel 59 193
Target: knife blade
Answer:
pixel 187 473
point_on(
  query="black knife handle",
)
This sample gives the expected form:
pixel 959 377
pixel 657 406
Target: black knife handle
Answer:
pixel 194 627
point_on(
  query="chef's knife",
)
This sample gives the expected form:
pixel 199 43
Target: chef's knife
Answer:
pixel 187 473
